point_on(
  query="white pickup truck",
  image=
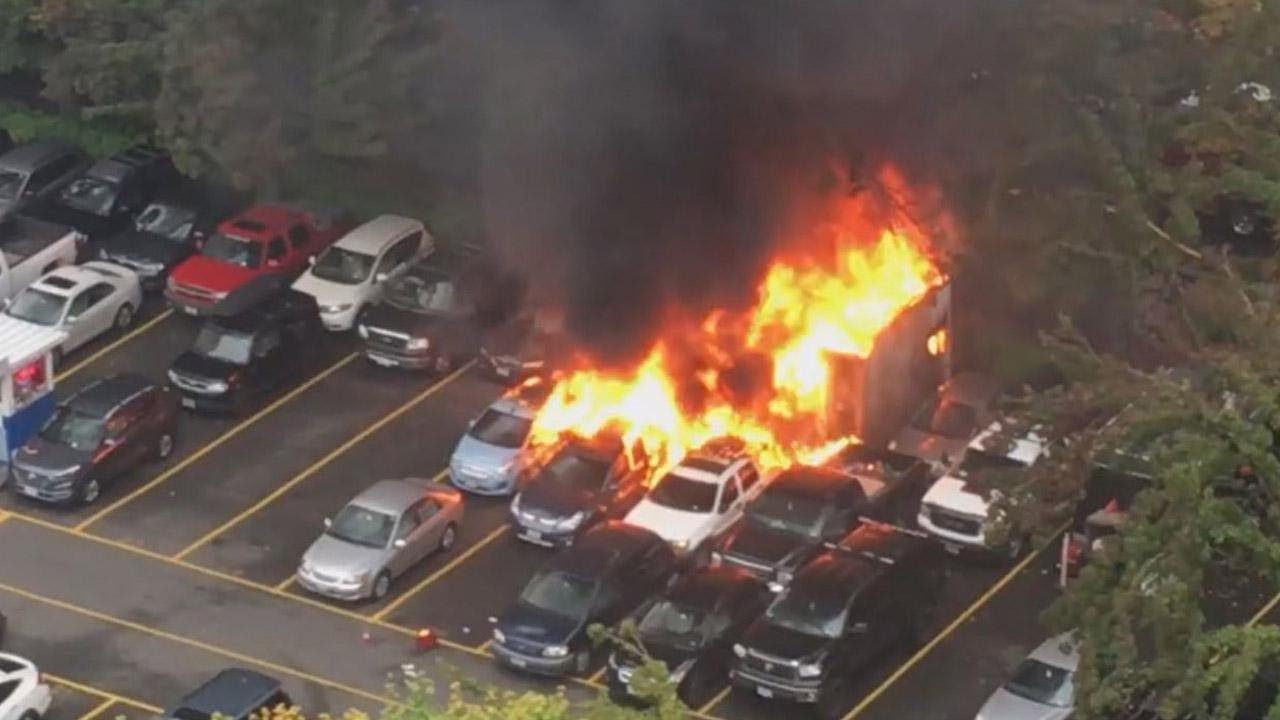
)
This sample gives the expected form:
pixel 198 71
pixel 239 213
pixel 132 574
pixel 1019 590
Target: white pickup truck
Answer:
pixel 29 248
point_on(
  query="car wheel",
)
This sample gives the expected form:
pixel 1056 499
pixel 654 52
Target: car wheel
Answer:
pixel 448 537
pixel 30 715
pixel 164 446
pixel 698 686
pixel 90 490
pixel 381 585
pixel 124 316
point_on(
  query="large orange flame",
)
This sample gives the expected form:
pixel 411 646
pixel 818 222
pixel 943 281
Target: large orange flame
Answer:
pixel 839 285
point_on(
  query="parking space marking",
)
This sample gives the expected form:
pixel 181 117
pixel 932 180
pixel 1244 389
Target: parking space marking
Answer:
pixel 104 694
pixel 706 707
pixel 98 709
pixel 595 677
pixel 1257 617
pixel 319 464
pixel 395 604
pixel 214 444
pixel 249 584
pixel 959 620
pixel 286 584
pixel 197 644
pixel 109 348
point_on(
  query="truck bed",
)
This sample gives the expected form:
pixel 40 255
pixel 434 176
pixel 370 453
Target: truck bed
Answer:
pixel 21 237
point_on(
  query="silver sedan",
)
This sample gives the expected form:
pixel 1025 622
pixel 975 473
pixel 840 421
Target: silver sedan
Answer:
pixel 378 536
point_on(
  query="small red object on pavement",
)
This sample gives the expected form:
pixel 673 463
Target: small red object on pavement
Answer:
pixel 366 636
pixel 427 639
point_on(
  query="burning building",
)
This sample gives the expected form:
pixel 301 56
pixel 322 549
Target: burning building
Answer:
pixel 847 334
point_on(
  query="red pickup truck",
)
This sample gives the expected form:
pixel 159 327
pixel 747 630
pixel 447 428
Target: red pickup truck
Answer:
pixel 251 256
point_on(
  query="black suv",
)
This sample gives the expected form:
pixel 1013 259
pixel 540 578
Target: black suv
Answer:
pixel 235 361
pixel 233 694
pixel 104 200
pixel 164 234
pixel 583 483
pixel 99 433
pixel 601 579
pixel 692 628
pixel 876 588
pixel 805 506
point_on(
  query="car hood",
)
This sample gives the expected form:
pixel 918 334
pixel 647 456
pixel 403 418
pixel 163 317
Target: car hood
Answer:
pixel 927 446
pixel 669 523
pixel 41 454
pixel 553 500
pixel 525 622
pixel 215 275
pixel 776 548
pixel 475 453
pixel 661 648
pixel 327 292
pixel 1004 705
pixel 94 226
pixel 332 556
pixel 765 637
pixel 388 317
pixel 202 366
pixel 144 247
pixel 954 494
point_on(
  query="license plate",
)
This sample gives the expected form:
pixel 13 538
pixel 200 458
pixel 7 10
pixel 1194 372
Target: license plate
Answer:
pixel 379 360
pixel 951 548
pixel 189 402
pixel 519 662
pixel 764 692
pixel 533 535
pixel 188 310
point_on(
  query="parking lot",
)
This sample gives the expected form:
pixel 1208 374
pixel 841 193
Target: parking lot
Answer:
pixel 185 567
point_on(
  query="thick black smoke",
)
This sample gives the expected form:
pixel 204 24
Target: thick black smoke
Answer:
pixel 643 155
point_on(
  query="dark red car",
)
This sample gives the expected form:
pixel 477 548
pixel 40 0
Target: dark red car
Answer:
pixel 251 256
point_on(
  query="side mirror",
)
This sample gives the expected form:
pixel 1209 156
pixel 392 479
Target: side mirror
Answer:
pixel 328 522
pixel 381 277
pixel 311 259
pixel 399 542
pixel 71 319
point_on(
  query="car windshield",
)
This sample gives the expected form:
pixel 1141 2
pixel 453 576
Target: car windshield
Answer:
pixel 1043 683
pixel 808 613
pixel 37 306
pixel 343 266
pixel 89 194
pixel 681 493
pixel 501 429
pixel 167 221
pixel 75 430
pixel 573 471
pixel 222 344
pixel 559 593
pixel 233 250
pixel 977 461
pixel 953 420
pixel 362 526
pixel 10 184
pixel 427 292
pixel 789 512
pixel 673 620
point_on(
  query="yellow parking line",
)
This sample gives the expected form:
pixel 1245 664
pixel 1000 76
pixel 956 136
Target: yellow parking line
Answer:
pixel 317 465
pixel 106 695
pixel 192 642
pixel 391 607
pixel 214 444
pixel 1257 617
pixel 126 338
pixel 98 709
pixel 595 677
pixel 706 708
pixel 959 620
pixel 286 584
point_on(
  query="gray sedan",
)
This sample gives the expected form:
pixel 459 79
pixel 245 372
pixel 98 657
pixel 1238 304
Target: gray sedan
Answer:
pixel 378 536
pixel 1042 688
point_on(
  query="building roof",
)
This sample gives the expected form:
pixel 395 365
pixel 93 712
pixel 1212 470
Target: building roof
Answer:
pixel 22 342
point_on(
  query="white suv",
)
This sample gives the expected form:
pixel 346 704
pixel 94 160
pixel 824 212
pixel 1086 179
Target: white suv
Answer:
pixel 698 499
pixel 351 274
pixel 27 696
pixel 958 512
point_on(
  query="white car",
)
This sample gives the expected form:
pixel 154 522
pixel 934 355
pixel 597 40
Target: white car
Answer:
pixel 84 301
pixel 23 694
pixel 959 513
pixel 352 273
pixel 698 499
pixel 1043 686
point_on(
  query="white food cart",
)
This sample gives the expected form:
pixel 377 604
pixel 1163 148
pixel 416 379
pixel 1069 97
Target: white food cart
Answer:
pixel 26 383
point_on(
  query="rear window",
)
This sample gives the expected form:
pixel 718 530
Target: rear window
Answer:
pixel 7 688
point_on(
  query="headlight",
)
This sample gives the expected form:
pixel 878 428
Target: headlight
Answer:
pixel 785 577
pixel 417 344
pixel 306 566
pixel 173 376
pixel 219 295
pixel 331 309
pixel 218 386
pixel 498 636
pixel 358 577
pixel 364 332
pixel 515 504
pixel 810 670
pixel 555 651
pixel 739 650
pixel 573 521
pixel 680 545
pixel 716 559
